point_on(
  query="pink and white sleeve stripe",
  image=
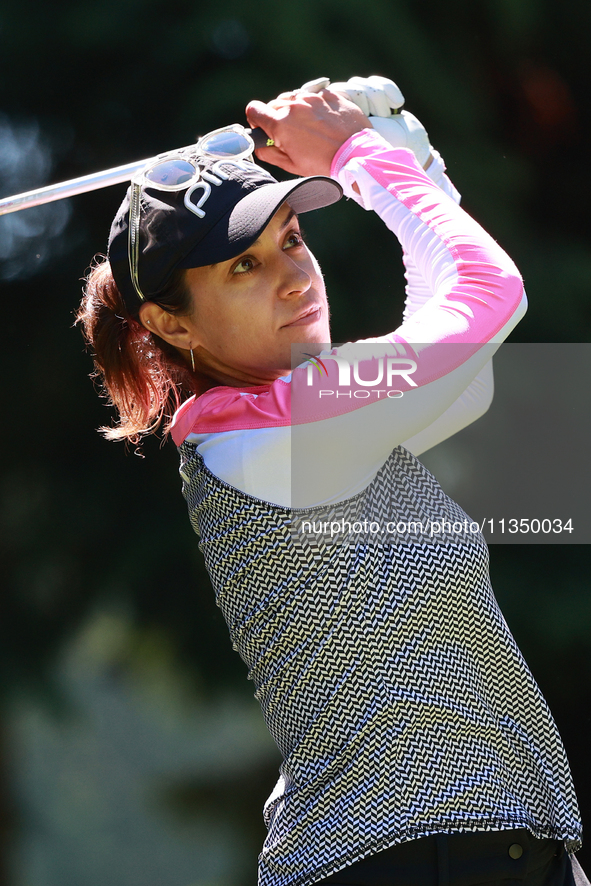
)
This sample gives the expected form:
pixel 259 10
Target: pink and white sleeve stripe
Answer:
pixel 477 290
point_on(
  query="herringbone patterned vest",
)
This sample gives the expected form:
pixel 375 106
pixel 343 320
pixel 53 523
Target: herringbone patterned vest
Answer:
pixel 386 674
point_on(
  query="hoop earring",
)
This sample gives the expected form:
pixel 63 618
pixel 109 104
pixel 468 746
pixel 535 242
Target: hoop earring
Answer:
pixel 192 360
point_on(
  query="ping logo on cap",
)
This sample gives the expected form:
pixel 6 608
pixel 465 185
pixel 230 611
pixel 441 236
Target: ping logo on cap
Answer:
pixel 213 176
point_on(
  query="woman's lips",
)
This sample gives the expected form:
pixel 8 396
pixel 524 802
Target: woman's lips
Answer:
pixel 311 317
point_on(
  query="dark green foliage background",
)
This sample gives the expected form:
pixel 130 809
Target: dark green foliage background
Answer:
pixel 503 86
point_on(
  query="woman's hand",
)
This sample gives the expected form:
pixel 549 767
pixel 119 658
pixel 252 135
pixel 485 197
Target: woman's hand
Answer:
pixel 307 129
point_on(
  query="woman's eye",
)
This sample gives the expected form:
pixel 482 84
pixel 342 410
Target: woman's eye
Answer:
pixel 244 266
pixel 293 239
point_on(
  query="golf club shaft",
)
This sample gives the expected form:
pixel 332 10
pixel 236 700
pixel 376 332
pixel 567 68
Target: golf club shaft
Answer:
pixel 91 182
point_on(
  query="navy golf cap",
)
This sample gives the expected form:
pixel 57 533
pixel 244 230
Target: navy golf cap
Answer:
pixel 229 212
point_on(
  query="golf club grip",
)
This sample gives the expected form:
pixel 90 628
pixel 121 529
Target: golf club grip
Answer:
pixel 259 137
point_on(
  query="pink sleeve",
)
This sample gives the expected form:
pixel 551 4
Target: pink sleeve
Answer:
pixel 483 288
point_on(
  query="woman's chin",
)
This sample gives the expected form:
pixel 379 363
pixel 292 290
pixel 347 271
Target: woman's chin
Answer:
pixel 302 351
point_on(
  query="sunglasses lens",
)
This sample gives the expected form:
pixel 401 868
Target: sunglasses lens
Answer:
pixel 170 173
pixel 226 144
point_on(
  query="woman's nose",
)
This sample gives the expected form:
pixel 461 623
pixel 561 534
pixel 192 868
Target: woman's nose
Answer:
pixel 294 279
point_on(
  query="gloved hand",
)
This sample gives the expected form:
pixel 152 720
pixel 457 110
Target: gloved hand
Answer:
pixel 381 100
pixel 376 96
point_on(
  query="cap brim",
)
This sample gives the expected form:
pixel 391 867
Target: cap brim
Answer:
pixel 244 223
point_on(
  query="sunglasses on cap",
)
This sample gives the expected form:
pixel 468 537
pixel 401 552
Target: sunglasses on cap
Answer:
pixel 179 170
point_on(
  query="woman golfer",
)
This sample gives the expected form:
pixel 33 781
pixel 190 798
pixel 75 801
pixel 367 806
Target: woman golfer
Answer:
pixel 417 748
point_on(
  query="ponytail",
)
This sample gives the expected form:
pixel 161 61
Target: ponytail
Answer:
pixel 141 375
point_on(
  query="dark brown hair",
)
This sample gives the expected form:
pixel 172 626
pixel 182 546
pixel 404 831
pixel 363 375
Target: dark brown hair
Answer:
pixel 143 376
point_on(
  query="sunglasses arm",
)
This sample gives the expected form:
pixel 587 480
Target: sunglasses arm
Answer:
pixel 90 182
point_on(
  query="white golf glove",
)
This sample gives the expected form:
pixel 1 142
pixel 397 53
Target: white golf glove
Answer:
pixel 381 100
pixel 376 96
